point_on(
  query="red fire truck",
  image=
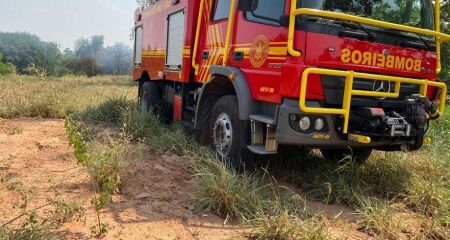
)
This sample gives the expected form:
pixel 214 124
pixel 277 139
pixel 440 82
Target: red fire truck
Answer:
pixel 342 76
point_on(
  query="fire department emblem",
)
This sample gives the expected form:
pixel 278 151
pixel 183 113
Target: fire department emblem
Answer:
pixel 259 51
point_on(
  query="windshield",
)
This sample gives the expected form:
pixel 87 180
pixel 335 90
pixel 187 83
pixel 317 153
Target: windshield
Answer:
pixel 415 13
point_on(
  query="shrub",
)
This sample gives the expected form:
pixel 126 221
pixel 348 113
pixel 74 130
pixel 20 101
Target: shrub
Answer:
pixel 6 68
pixel 44 225
pixel 105 163
pixel 109 111
pixel 26 232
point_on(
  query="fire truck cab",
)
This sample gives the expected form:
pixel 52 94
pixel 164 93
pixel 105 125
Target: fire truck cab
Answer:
pixel 342 76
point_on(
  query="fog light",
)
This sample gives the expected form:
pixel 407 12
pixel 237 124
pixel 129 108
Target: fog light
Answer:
pixel 319 124
pixel 304 123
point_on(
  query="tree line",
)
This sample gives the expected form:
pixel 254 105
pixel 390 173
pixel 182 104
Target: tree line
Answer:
pixel 90 56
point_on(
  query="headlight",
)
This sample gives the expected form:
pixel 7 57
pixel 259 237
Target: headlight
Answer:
pixel 304 123
pixel 319 124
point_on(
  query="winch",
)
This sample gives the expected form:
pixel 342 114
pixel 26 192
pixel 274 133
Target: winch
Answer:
pixel 409 121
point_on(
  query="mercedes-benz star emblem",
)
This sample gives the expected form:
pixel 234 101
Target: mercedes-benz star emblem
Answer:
pixel 381 86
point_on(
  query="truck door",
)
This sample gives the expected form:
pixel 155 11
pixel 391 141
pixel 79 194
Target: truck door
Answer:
pixel 212 36
pixel 260 48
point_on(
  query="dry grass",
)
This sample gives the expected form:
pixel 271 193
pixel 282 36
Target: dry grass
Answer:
pixel 256 200
pixel 388 184
pixel 26 96
pixel 418 182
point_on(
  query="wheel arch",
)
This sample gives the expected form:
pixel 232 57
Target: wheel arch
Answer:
pixel 144 78
pixel 225 80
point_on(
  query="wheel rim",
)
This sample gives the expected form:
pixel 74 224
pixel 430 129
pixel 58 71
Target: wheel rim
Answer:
pixel 223 134
pixel 144 102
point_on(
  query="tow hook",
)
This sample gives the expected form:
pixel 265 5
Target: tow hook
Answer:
pixel 427 140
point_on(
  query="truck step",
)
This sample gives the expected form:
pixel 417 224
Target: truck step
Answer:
pixel 191 108
pixel 263 119
pixel 194 92
pixel 188 124
pixel 259 149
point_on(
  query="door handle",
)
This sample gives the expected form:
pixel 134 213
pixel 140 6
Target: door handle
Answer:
pixel 205 55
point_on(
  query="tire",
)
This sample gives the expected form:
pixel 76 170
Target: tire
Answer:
pixel 229 135
pixel 359 156
pixel 150 98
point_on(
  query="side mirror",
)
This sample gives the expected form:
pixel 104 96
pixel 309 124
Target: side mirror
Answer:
pixel 248 5
pixel 284 21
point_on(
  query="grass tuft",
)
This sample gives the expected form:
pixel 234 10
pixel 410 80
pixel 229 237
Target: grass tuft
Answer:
pixel 228 193
pixel 379 219
pixel 427 197
pixel 285 226
pixel 26 232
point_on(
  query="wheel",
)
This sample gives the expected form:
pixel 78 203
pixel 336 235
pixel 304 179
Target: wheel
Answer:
pixel 149 97
pixel 358 156
pixel 229 135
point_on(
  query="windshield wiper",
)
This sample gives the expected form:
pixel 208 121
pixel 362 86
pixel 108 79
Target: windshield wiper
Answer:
pixel 358 26
pixel 424 44
pixel 427 44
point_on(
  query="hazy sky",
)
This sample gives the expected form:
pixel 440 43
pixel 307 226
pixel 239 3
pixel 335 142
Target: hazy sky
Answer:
pixel 64 21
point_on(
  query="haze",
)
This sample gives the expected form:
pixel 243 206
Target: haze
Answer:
pixel 64 21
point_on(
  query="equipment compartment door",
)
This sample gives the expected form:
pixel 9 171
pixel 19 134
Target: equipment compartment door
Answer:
pixel 175 41
pixel 138 46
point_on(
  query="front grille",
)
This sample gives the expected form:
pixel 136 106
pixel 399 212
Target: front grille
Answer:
pixel 333 88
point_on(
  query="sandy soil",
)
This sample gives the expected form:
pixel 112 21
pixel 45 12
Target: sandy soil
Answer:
pixel 156 201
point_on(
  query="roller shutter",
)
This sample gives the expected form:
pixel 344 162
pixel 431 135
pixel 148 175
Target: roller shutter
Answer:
pixel 138 46
pixel 175 41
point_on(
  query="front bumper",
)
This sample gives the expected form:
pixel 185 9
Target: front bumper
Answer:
pixel 331 138
pixel 350 91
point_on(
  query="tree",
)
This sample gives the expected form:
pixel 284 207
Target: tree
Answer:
pixel 87 49
pixel 24 49
pixel 116 59
pixel 146 3
pixel 68 63
pixel 89 56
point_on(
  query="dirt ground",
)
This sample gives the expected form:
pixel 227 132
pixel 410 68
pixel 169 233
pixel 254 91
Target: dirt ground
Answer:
pixel 156 201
